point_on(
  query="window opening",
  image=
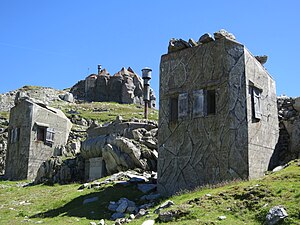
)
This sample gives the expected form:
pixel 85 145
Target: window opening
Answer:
pixel 211 102
pixel 256 103
pixel 173 109
pixel 183 105
pixel 50 135
pixel 40 133
pixel 198 103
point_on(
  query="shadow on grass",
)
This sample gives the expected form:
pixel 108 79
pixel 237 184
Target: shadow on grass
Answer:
pixel 94 210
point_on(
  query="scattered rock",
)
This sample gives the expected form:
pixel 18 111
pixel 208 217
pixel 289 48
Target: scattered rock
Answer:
pixel 166 204
pixel 223 34
pixel 276 214
pixel 151 197
pixel 192 42
pixel 278 168
pixel 141 213
pixel 117 215
pixel 149 222
pixel 262 59
pixel 205 38
pixel 145 188
pixel 177 45
pixel 221 217
pixel 101 222
pixel 296 105
pixel 171 215
pixel 68 97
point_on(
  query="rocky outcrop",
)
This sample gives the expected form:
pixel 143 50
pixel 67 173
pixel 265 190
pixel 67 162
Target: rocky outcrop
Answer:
pixel 288 145
pixel 43 94
pixel 3 148
pixel 3 142
pixel 180 44
pixel 123 145
pixel 124 86
pixel 56 170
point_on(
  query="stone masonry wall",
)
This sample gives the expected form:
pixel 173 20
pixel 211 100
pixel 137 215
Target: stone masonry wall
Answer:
pixel 207 149
pixel 262 134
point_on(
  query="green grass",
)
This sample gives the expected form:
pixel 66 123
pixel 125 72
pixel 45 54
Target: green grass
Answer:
pixel 106 111
pixel 4 115
pixel 58 204
pixel 242 202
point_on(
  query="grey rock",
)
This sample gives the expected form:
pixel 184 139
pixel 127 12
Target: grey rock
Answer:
pixel 112 206
pixel 262 59
pixel 89 200
pixel 276 214
pixel 132 216
pixel 205 38
pixel 93 223
pixel 68 97
pixel 101 222
pixel 151 197
pixel 278 168
pixel 222 217
pixel 166 204
pixel 166 216
pixel 145 188
pixel 177 45
pixel 149 222
pixel 146 206
pixel 141 213
pixel 117 215
pixel 297 104
pixel 192 42
pixel 122 205
pixel 223 33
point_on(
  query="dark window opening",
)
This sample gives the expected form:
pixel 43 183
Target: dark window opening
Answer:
pixel 40 133
pixel 173 109
pixel 211 102
pixel 45 134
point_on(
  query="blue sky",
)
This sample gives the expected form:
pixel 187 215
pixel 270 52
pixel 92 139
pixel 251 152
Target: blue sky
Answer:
pixel 59 42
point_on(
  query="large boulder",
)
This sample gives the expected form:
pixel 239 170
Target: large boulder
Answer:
pixel 123 145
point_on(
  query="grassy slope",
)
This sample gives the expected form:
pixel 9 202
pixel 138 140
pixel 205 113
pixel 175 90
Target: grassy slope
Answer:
pixel 106 111
pixel 241 202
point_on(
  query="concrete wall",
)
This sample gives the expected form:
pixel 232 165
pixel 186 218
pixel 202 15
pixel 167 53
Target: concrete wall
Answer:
pixel 26 156
pixel 17 153
pixel 262 134
pixel 39 151
pixel 198 150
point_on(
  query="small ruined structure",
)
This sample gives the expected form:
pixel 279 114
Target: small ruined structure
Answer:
pixel 119 146
pixel 218 118
pixel 36 132
pixel 124 86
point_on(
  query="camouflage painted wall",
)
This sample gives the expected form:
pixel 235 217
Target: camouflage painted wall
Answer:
pixel 204 138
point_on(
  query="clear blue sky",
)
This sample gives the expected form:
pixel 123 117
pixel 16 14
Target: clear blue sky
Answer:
pixel 54 42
